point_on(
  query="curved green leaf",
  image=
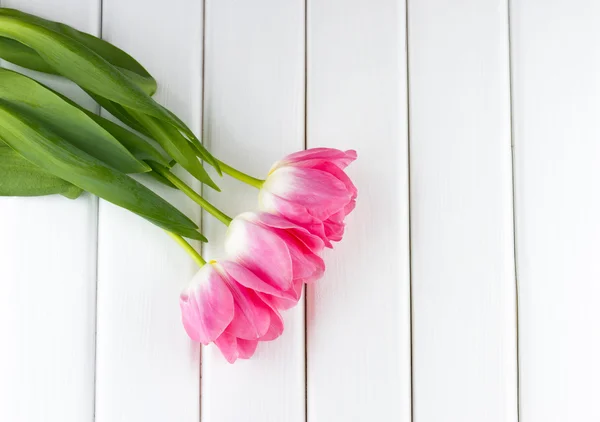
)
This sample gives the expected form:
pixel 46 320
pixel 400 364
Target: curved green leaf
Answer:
pixel 83 66
pixel 176 146
pixel 136 145
pixel 141 125
pixel 19 177
pixel 22 55
pixel 52 153
pixel 68 121
pixel 119 112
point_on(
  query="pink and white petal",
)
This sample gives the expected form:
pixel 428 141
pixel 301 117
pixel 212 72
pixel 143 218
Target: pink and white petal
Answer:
pixel 313 242
pixel 251 317
pixel 227 344
pixel 350 207
pixel 295 213
pixel 320 192
pixel 206 306
pixel 283 304
pixel 246 348
pixel 334 230
pixel 248 279
pixel 275 329
pixel 340 175
pixel 307 265
pixel 340 158
pixel 260 250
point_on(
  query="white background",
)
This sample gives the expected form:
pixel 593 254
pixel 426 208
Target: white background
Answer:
pixel 467 286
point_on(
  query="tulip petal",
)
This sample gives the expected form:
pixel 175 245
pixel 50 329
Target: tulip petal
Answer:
pixel 248 279
pixel 275 328
pixel 312 242
pixel 340 175
pixel 283 304
pixel 251 317
pixel 340 158
pixel 206 305
pixel 320 192
pixel 246 348
pixel 296 213
pixel 227 344
pixel 234 348
pixel 260 250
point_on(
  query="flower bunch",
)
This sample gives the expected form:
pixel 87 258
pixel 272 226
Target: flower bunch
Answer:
pixel 52 145
pixel 272 253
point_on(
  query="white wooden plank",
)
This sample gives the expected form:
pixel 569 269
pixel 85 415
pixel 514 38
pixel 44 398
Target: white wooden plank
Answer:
pixel 556 98
pixel 147 369
pixel 358 329
pixel 253 115
pixel 463 279
pixel 48 281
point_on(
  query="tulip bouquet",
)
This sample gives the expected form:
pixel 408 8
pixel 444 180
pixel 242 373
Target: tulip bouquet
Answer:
pixel 49 144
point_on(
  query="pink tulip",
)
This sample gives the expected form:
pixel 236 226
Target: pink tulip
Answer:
pixel 311 189
pixel 223 304
pixel 278 251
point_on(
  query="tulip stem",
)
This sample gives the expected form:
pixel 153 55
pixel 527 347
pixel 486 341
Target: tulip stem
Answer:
pixel 193 195
pixel 188 248
pixel 242 177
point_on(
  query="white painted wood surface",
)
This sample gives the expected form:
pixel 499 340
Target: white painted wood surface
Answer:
pixel 147 369
pixel 48 280
pixel 263 79
pixel 556 93
pixel 253 115
pixel 358 325
pixel 463 276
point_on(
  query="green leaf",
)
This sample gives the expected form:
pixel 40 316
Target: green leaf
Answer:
pixel 140 125
pixel 19 177
pixel 21 55
pixel 119 112
pixel 52 153
pixel 83 66
pixel 68 121
pixel 161 179
pixel 176 146
pixel 136 145
pixel 78 56
pixel 24 56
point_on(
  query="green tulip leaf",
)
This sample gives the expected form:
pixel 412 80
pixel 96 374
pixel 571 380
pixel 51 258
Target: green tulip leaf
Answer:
pixel 141 125
pixel 135 144
pixel 77 62
pixel 14 52
pixel 19 177
pixel 49 151
pixel 176 145
pixel 20 54
pixel 68 121
pixel 161 179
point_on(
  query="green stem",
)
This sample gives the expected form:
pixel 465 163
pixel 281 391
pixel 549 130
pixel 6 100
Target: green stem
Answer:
pixel 180 184
pixel 242 177
pixel 188 248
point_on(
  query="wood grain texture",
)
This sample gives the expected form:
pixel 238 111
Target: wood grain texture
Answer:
pixel 463 279
pixel 48 280
pixel 358 325
pixel 147 368
pixel 253 116
pixel 556 98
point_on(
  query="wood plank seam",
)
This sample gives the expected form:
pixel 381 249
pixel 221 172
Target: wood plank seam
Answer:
pixel 202 190
pixel 98 111
pixel 514 204
pixel 408 163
